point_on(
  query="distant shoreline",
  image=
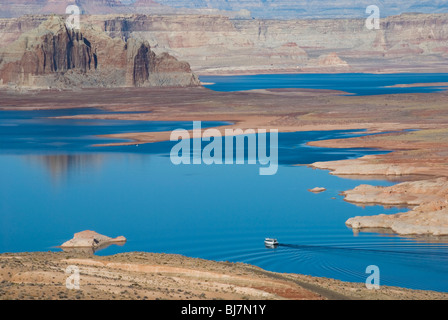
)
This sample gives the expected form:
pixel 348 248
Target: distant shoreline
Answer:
pixel 412 85
pixel 236 72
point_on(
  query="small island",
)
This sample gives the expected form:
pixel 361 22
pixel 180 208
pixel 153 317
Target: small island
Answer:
pixel 317 190
pixel 91 239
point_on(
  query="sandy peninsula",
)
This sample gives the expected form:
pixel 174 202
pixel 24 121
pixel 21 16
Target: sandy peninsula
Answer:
pixel 413 85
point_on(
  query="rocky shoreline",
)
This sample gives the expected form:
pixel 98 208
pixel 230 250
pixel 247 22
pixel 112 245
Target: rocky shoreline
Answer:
pixel 420 154
pixel 429 199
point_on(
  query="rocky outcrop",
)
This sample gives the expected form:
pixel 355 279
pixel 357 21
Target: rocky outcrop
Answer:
pixel 407 193
pixel 53 55
pixel 428 217
pixel 317 190
pixel 91 239
pixel 368 166
pixel 331 60
pixel 326 63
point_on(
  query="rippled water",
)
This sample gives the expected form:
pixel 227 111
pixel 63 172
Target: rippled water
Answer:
pixel 54 184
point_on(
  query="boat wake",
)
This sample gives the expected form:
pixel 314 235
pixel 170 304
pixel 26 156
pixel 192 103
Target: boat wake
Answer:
pixel 329 249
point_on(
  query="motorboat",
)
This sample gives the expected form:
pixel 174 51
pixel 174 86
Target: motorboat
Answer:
pixel 270 242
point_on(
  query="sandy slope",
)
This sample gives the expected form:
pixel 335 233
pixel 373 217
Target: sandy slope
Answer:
pixel 139 275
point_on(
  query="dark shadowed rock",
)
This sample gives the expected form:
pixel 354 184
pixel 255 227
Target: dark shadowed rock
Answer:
pixel 53 55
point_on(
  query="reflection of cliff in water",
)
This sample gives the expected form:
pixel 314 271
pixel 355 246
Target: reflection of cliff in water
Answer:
pixel 61 166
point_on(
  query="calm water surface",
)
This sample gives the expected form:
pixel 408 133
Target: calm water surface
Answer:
pixel 352 83
pixel 54 183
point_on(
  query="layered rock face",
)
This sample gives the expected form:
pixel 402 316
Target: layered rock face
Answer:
pixel 53 55
pixel 216 44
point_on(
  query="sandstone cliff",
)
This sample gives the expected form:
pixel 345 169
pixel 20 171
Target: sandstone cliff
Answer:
pixel 218 44
pixel 214 44
pixel 52 55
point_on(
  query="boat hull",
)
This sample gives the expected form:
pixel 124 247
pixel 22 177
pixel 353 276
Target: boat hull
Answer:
pixel 271 243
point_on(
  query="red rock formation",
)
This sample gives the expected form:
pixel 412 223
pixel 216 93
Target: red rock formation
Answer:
pixel 331 60
pixel 53 55
pixel 213 43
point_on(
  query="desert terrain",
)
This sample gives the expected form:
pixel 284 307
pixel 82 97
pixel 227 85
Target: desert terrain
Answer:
pixel 142 52
pixel 150 276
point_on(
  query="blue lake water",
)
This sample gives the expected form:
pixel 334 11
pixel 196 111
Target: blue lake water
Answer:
pixel 353 83
pixel 54 183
